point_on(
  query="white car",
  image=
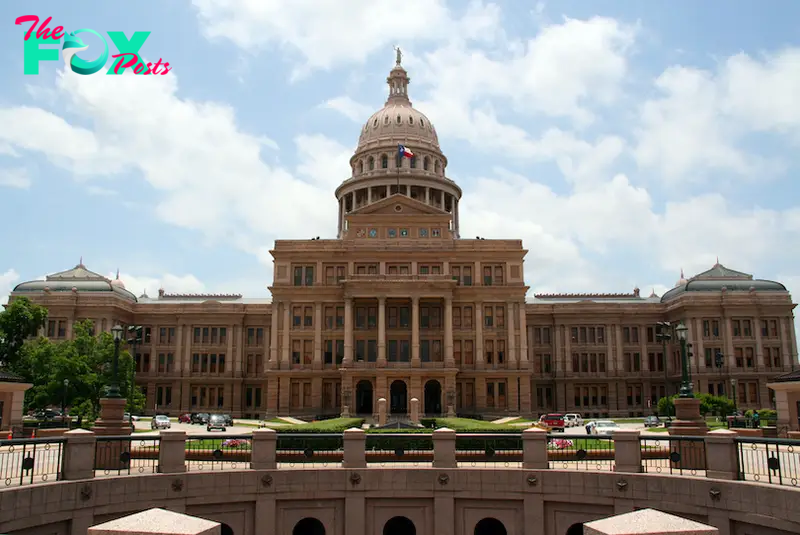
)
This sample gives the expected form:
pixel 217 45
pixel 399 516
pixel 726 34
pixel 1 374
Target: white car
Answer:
pixel 573 420
pixel 605 427
pixel 160 422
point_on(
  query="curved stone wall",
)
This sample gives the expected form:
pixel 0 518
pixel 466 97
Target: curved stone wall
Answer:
pixel 437 502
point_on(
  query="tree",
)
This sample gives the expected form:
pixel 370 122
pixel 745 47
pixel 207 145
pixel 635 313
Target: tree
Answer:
pixel 85 361
pixel 20 321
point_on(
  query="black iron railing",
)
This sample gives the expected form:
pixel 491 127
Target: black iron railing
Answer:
pixel 673 455
pixel 218 452
pixel 580 452
pixel 126 454
pixel 769 460
pixel 31 460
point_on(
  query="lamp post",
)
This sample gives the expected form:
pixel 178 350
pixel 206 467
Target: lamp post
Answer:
pixel 112 391
pixel 686 387
pixel 64 403
pixel 733 393
pixel 135 339
pixel 719 361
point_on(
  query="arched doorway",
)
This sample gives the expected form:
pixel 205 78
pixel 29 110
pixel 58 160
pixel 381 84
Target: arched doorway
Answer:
pixel 364 397
pixel 309 526
pixel 398 393
pixel 225 529
pixel 433 397
pixel 490 526
pixel 575 529
pixel 399 525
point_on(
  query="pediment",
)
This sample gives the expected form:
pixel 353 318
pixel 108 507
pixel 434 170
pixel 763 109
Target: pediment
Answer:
pixel 398 204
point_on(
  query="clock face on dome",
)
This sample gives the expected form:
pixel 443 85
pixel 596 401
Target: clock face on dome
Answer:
pixel 360 233
pixel 373 233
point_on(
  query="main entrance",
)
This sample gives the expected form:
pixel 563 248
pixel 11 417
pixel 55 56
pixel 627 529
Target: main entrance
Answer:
pixel 433 397
pixel 398 394
pixel 364 397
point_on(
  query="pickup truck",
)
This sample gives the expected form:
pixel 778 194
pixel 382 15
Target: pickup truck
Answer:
pixel 553 421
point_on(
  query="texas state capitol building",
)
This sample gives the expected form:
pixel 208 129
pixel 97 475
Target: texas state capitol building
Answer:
pixel 400 306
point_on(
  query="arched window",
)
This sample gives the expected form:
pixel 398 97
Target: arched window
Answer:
pixel 426 162
pixel 490 526
pixel 413 162
pixel 410 120
pixel 422 123
pixel 309 526
pixel 375 122
pixel 575 529
pixel 399 120
pixel 384 162
pixel 436 167
pixel 361 166
pixel 386 120
pixel 371 163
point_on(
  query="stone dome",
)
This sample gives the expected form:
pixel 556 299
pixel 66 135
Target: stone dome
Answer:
pixel 398 122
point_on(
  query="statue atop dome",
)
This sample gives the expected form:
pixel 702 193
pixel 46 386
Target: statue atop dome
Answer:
pixel 399 54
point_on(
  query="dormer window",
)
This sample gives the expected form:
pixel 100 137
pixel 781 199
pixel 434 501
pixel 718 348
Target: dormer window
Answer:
pixel 386 120
pixel 375 122
pixel 399 120
pixel 410 120
pixel 422 123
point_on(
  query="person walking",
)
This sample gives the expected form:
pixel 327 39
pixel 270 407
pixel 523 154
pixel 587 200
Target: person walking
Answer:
pixel 756 420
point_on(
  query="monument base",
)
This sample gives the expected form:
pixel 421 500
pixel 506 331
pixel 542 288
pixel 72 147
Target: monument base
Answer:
pixel 688 454
pixel 112 454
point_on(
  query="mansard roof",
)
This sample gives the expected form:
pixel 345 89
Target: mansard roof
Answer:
pixel 720 277
pixel 78 279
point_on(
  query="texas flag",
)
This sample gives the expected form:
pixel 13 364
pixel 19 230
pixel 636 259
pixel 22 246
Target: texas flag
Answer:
pixel 402 151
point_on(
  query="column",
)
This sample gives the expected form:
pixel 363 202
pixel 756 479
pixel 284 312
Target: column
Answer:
pixel 727 331
pixel 415 331
pixel 557 362
pixel 479 364
pixel 759 344
pixel 341 215
pixel 619 366
pixel 348 332
pixel 699 350
pixel 610 360
pixel 786 343
pixel 643 349
pixel 381 332
pixel 448 332
pixel 273 337
pixel 511 330
pixel 524 360
pixel 568 350
pixel 229 350
pixel 317 365
pixel 286 361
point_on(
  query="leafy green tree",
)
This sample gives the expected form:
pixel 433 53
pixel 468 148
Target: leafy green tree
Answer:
pixel 666 407
pixel 85 362
pixel 20 321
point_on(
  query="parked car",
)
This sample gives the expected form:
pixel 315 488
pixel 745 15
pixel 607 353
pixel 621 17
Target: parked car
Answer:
pixel 131 417
pixel 228 420
pixel 49 414
pixel 160 422
pixel 199 418
pixel 573 420
pixel 185 418
pixel 652 421
pixel 216 421
pixel 554 421
pixel 605 427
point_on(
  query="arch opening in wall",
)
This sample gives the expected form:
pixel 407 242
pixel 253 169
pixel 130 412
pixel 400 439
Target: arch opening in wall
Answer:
pixel 433 397
pixel 490 526
pixel 575 529
pixel 309 526
pixel 371 163
pixel 384 161
pixel 225 529
pixel 398 397
pixel 426 163
pixel 361 167
pixel 364 397
pixel 399 525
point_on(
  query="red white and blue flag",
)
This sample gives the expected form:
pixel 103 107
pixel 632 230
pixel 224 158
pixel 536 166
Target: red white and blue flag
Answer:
pixel 403 151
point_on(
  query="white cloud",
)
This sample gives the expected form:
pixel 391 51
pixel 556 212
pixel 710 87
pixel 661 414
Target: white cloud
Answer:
pixel 326 33
pixel 7 282
pixel 348 107
pixel 193 148
pixel 17 178
pixel 699 122
pixel 173 284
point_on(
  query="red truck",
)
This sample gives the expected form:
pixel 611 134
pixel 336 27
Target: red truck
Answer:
pixel 555 422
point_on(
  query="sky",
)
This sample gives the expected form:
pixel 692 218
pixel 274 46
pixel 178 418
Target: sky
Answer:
pixel 622 141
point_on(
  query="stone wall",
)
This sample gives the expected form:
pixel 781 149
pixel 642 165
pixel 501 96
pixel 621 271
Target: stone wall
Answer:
pixel 360 501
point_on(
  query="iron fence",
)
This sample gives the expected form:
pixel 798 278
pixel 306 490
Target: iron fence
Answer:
pixel 489 450
pixel 580 452
pixel 218 452
pixel 673 455
pixel 309 450
pixel 769 460
pixel 29 461
pixel 126 454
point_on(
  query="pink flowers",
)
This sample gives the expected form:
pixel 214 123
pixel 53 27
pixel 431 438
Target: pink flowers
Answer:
pixel 559 444
pixel 234 443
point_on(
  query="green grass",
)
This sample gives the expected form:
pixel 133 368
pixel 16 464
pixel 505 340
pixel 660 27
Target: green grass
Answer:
pixel 467 424
pixel 334 425
pixel 211 444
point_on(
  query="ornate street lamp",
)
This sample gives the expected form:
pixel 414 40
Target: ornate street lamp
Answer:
pixel 686 387
pixel 733 394
pixel 664 336
pixel 112 391
pixel 64 403
pixel 135 332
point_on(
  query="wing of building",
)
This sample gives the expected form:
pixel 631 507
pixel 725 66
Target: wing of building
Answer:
pixel 399 306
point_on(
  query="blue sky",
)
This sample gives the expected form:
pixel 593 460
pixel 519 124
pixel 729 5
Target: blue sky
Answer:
pixel 621 140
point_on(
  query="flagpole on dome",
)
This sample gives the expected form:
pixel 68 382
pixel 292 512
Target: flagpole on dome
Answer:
pixel 399 162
